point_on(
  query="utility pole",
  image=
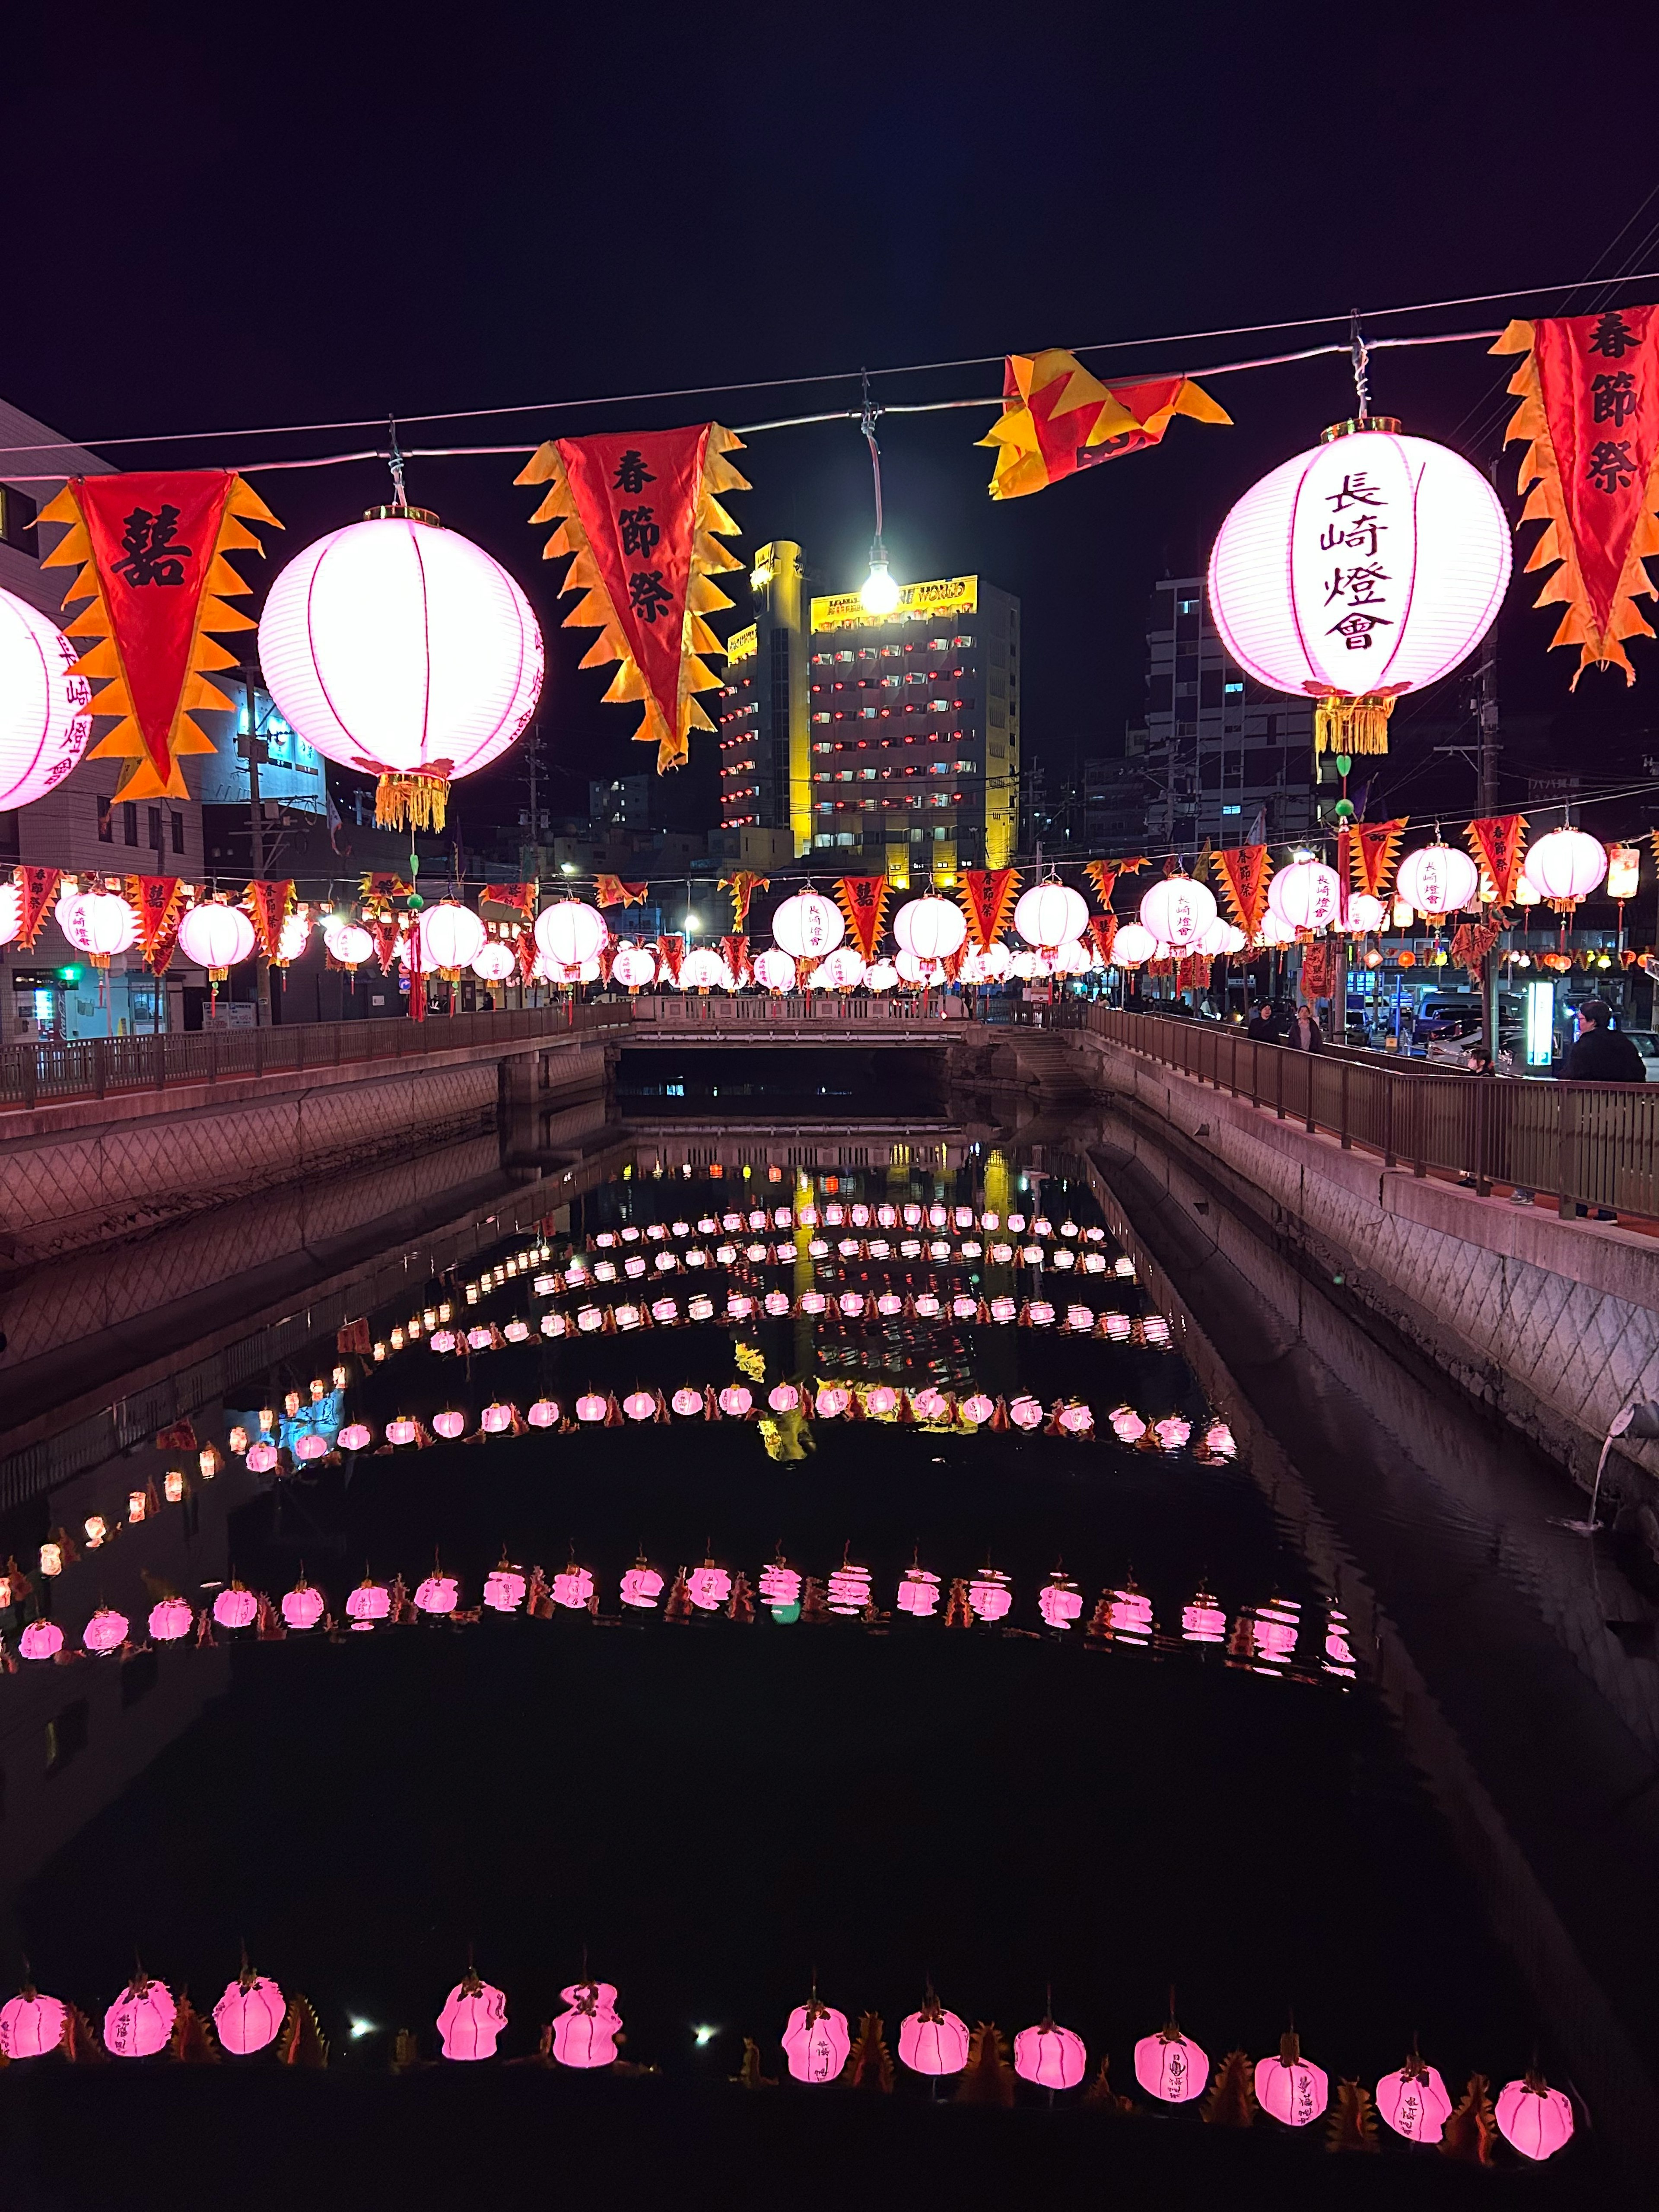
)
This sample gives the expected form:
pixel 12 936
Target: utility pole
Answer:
pixel 535 814
pixel 251 746
pixel 1486 706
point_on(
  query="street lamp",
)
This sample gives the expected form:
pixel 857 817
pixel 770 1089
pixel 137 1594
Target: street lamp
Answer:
pixel 880 593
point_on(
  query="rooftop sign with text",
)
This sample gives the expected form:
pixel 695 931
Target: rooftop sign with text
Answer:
pixel 946 595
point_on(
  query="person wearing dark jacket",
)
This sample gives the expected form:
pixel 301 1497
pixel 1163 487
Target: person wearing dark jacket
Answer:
pixel 1262 1028
pixel 1304 1031
pixel 1600 1054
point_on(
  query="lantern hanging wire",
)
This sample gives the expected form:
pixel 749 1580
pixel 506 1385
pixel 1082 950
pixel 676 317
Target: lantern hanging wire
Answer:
pixel 880 593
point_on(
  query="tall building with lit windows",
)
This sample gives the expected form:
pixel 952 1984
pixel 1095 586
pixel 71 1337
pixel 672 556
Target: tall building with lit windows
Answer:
pixel 765 768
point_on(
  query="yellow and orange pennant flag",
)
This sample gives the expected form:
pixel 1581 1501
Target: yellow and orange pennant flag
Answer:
pixel 1104 874
pixel 1373 848
pixel 150 550
pixel 611 891
pixel 1057 419
pixel 1242 872
pixel 743 883
pixel 1498 843
pixel 986 896
pixel 863 902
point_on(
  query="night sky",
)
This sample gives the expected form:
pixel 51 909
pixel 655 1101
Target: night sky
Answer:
pixel 221 221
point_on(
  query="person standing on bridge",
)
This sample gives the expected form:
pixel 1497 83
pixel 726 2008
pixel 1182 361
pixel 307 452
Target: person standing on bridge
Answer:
pixel 1262 1028
pixel 1599 1053
pixel 1304 1031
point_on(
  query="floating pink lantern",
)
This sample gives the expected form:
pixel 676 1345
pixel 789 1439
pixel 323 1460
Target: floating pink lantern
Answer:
pixel 262 1457
pixel 1169 2066
pixel 882 1401
pixel 928 1404
pixel 170 1619
pixel 107 1631
pixel 590 1407
pixel 1289 2089
pixel 926 1306
pixel 369 1602
pixel 1060 1601
pixel 708 1586
pixel 976 1409
pixel 1414 2101
pixel 665 1310
pixel 450 1424
pixel 1127 1425
pixel 735 1402
pixel 1203 1621
pixel 640 1406
pixel 776 1303
pixel 504 1588
pixel 543 1414
pixel 989 1597
pixel 1172 1432
pixel 585 2035
pixel 1026 1413
pixel 1077 1421
pixel 250 2014
pixel 890 1303
pixel 697 1309
pixel 31 2026
pixel 356 1436
pixel 138 2024
pixel 812 1301
pixel 1053 2058
pixel 310 1446
pixel 402 1430
pixel 473 2017
pixel 847 1593
pixel 572 1588
pixel 442 1340
pixel 236 1607
pixel 1533 2118
pixel 816 2042
pixel 1218 1441
pixel 933 2041
pixel 780 1586
pixel 687 1402
pixel 495 1420
pixel 438 1596
pixel 641 1587
pixel 831 1402
pixel 784 1398
pixel 302 1607
pixel 852 1303
pixel 918 1593
pixel 1003 1311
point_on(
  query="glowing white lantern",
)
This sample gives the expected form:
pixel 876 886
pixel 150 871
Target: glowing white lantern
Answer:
pixel 774 970
pixel 1220 940
pixel 294 935
pixel 1437 880
pixel 1565 866
pixel 932 928
pixel 633 968
pixel 1132 946
pixel 1359 571
pixel 1026 967
pixel 842 968
pixel 910 969
pixel 1073 959
pixel 1305 895
pixel 216 937
pixel 451 937
pixel 1365 913
pixel 1624 871
pixel 554 971
pixel 494 962
pixel 348 943
pixel 809 925
pixel 879 976
pixel 1050 914
pixel 402 649
pixel 703 970
pixel 1274 932
pixel 995 960
pixel 571 932
pixel 101 925
pixel 971 969
pixel 1178 910
pixel 11 912
pixel 44 717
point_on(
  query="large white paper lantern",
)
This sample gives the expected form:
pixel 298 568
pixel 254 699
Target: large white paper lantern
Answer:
pixel 1275 931
pixel 1049 914
pixel 932 928
pixel 1437 880
pixel 1133 945
pixel 451 937
pixel 1218 939
pixel 1072 959
pixel 494 962
pixel 879 976
pixel 1365 913
pixel 348 943
pixel 100 924
pixel 633 968
pixel 774 970
pixel 703 970
pixel 1359 571
pixel 839 969
pixel 44 720
pixel 1305 895
pixel 911 969
pixel 1566 866
pixel 216 937
pixel 294 935
pixel 1179 910
pixel 400 648
pixel 11 912
pixel 809 926
pixel 571 932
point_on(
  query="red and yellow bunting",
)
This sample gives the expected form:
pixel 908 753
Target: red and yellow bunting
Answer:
pixel 986 896
pixel 158 902
pixel 1103 875
pixel 269 906
pixel 743 883
pixel 863 902
pixel 611 891
pixel 1498 843
pixel 1242 872
pixel 1373 848
pixel 1057 419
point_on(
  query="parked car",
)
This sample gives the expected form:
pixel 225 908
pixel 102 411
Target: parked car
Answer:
pixel 1647 1043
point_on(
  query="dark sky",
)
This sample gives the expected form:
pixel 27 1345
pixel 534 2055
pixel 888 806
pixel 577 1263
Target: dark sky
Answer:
pixel 224 218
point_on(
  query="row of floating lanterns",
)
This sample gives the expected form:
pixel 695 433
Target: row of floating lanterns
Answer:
pixel 818 2047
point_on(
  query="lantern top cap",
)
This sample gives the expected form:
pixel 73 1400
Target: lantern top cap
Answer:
pixel 1387 424
pixel 403 515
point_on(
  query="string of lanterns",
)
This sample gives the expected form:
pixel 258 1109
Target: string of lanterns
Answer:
pixel 819 2048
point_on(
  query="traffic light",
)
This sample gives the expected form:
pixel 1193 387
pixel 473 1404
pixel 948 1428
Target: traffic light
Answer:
pixel 69 974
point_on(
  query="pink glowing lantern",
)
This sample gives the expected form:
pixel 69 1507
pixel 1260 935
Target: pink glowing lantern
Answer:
pixel 1060 1601
pixel 107 1631
pixel 708 1586
pixel 1203 1621
pixel 927 1307
pixel 932 2041
pixel 735 1402
pixel 504 1588
pixel 495 1420
pixel 852 1303
pixel 1172 1432
pixel 641 1587
pixel 262 1457
pixel 640 1406
pixel 1289 2089
pixel 302 1606
pixel 780 1586
pixel 1414 2101
pixel 816 2042
pixel 369 1602
pixel 236 1607
pixel 572 1588
pixel 813 1302
pixel 138 2024
pixel 590 1407
pixel 585 2035
pixel 989 1597
pixel 402 1430
pixel 356 1436
pixel 474 2015
pixel 1026 1413
pixel 438 1596
pixel 1533 2118
pixel 848 1592
pixel 1126 1425
pixel 41 1639
pixel 170 1619
pixel 832 1401
pixel 1077 1421
pixel 31 2026
pixel 250 2014
pixel 543 1414
pixel 1003 1311
pixel 776 1303
pixel 687 1402
pixel 784 1398
pixel 976 1409
pixel 928 1404
pixel 450 1424
pixel 1053 2058
pixel 918 1593
pixel 882 1402
pixel 310 1446
pixel 1170 2067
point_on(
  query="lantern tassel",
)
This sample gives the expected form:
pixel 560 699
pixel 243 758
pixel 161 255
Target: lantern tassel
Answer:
pixel 410 802
pixel 1343 724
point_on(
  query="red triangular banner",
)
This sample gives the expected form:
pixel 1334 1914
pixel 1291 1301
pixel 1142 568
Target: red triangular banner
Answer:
pixel 268 905
pixel 36 889
pixel 863 900
pixel 1497 842
pixel 986 897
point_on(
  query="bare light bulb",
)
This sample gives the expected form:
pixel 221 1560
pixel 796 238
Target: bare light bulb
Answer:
pixel 881 594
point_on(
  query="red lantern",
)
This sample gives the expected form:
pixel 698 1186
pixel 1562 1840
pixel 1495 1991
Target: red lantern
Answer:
pixel 1054 2058
pixel 585 2035
pixel 236 1607
pixel 1170 2067
pixel 816 2042
pixel 1414 2101
pixel 31 2025
pixel 41 1639
pixel 107 1631
pixel 932 2041
pixel 1533 2118
pixel 1289 2089
pixel 250 2013
pixel 138 2024
pixel 170 1619
pixel 474 2015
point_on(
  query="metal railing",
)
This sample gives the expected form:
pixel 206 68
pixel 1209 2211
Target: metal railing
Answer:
pixel 100 1067
pixel 1590 1144
pixel 795 1011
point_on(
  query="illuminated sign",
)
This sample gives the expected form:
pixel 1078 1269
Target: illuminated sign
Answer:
pixel 946 595
pixel 742 644
pixel 1541 1024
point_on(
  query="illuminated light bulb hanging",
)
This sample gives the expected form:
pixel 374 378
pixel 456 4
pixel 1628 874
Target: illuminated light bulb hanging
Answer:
pixel 880 593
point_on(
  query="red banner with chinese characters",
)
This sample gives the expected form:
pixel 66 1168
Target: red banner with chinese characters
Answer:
pixel 1242 872
pixel 384 933
pixel 1498 843
pixel 515 899
pixel 269 906
pixel 1373 849
pixel 1588 390
pixel 670 951
pixel 743 883
pixel 159 903
pixel 640 512
pixel 986 897
pixel 1471 942
pixel 151 554
pixel 611 891
pixel 1102 933
pixel 36 889
pixel 1321 964
pixel 863 902
pixel 734 950
pixel 1057 419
